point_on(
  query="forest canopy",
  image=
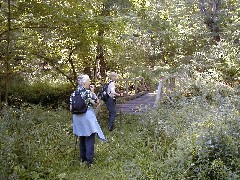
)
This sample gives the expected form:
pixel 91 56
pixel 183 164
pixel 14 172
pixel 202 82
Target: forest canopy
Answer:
pixel 55 40
pixel 185 54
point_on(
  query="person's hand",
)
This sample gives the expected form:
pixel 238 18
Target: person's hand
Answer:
pixel 92 101
pixel 91 88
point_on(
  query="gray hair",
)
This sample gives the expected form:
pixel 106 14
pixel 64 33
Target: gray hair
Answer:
pixel 112 74
pixel 82 79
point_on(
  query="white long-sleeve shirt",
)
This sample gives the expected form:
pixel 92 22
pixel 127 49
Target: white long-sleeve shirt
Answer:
pixel 111 89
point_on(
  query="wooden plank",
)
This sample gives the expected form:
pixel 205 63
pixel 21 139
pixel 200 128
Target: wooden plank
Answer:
pixel 131 79
pixel 139 105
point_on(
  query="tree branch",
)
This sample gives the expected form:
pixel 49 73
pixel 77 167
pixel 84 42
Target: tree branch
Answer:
pixel 53 64
pixel 27 27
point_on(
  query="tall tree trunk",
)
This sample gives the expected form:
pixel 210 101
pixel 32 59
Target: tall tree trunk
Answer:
pixel 215 28
pixel 100 60
pixel 7 60
pixel 100 64
pixel 0 92
pixel 211 17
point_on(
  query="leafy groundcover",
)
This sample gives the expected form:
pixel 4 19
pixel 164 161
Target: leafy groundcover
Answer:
pixel 190 138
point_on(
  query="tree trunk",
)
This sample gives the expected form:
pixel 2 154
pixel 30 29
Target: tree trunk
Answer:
pixel 100 64
pixel 0 92
pixel 7 59
pixel 215 29
pixel 100 61
pixel 211 18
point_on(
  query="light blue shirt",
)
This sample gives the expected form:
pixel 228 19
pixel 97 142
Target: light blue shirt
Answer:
pixel 87 124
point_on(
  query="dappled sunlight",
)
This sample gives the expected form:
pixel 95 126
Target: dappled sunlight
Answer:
pixel 178 66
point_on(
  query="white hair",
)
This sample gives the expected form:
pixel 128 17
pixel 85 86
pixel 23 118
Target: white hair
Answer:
pixel 82 79
pixel 112 74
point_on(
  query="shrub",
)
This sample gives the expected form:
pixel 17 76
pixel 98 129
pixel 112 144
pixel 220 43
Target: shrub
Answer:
pixel 42 93
pixel 33 141
pixel 188 138
pixel 200 134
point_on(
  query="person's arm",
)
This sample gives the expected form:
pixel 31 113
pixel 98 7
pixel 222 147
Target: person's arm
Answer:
pixel 70 106
pixel 91 98
pixel 94 96
pixel 70 101
pixel 112 89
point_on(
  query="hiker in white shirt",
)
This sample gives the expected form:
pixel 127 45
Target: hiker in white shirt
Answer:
pixel 111 101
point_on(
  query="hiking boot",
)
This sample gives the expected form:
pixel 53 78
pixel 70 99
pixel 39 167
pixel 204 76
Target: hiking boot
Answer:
pixel 110 128
pixel 90 165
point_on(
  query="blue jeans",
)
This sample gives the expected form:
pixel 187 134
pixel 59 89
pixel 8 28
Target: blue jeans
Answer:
pixel 111 106
pixel 87 148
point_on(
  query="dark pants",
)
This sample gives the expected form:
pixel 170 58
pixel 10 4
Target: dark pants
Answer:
pixel 87 148
pixel 111 106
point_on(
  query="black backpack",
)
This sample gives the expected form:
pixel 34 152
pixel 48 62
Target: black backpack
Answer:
pixel 102 93
pixel 78 103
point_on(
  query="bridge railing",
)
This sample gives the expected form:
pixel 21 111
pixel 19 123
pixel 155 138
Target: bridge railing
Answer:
pixel 130 88
pixel 166 87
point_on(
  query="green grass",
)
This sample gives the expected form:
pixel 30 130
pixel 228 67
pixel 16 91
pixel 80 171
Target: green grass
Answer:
pixel 124 155
pixel 190 139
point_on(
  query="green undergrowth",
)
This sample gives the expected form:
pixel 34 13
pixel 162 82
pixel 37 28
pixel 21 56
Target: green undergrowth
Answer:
pixel 190 138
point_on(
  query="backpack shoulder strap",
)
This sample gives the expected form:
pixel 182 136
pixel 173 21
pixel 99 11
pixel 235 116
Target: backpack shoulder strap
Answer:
pixel 107 84
pixel 80 92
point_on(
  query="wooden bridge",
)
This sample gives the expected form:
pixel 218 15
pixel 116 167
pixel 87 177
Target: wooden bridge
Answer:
pixel 142 100
pixel 137 97
pixel 139 105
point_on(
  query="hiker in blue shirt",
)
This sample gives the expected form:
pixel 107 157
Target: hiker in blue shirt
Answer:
pixel 111 101
pixel 85 125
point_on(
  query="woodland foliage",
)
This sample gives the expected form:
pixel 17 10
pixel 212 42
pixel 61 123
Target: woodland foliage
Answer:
pixel 44 45
pixel 57 40
pixel 194 137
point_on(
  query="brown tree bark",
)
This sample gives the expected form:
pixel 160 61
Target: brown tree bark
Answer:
pixel 0 93
pixel 101 66
pixel 100 63
pixel 7 59
pixel 211 17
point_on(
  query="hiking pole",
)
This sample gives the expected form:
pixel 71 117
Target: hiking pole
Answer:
pixel 120 117
pixel 75 149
